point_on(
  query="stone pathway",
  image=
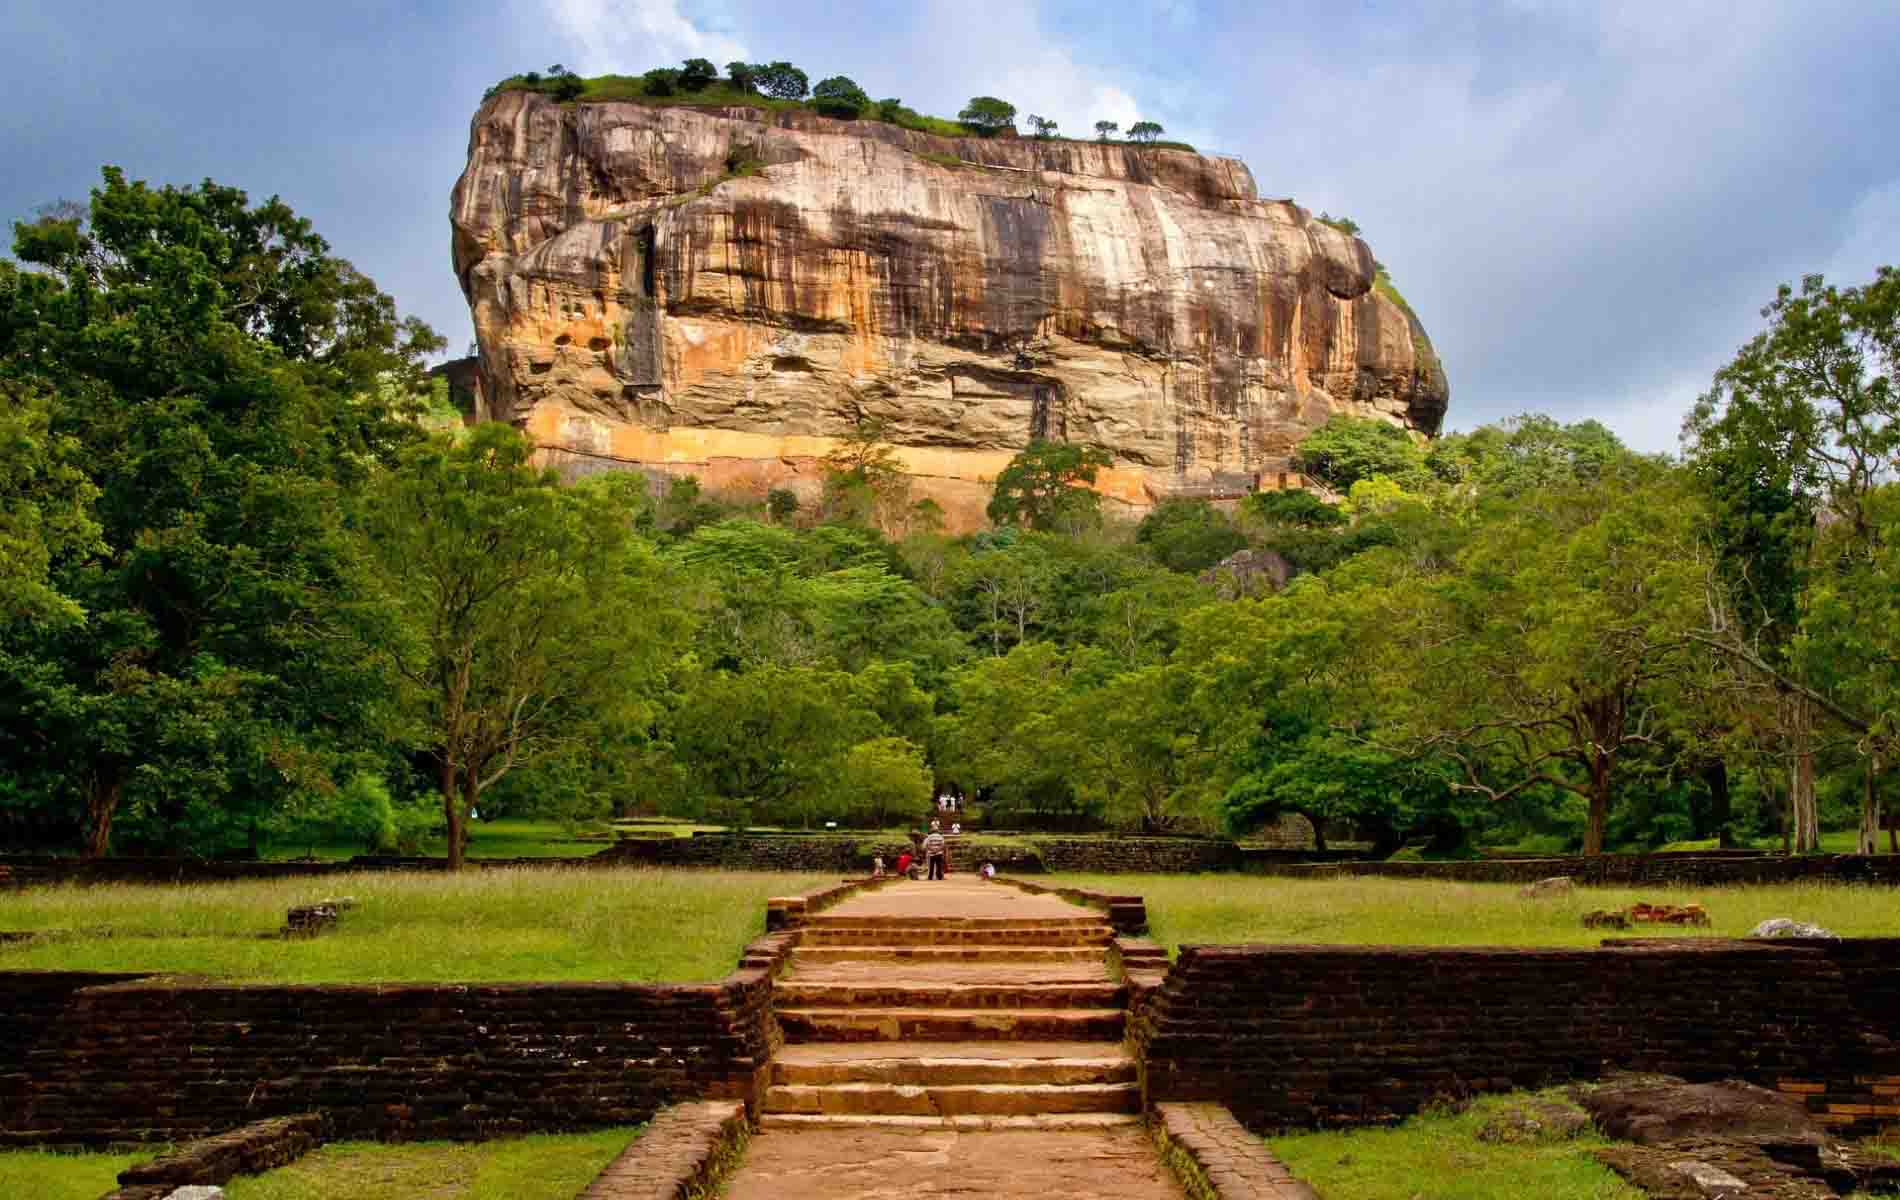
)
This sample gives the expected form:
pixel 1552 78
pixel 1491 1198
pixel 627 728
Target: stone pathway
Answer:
pixel 870 1164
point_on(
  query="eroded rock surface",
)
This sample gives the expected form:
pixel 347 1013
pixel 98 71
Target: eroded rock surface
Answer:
pixel 726 291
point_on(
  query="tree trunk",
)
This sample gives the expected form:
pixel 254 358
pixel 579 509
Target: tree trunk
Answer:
pixel 1721 810
pixel 471 792
pixel 1599 804
pixel 1319 830
pixel 1801 803
pixel 452 811
pixel 102 804
pixel 1869 839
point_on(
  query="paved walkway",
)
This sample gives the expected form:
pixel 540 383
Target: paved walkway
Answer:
pixel 958 896
pixel 872 1164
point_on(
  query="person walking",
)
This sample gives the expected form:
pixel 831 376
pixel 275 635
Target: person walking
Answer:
pixel 936 854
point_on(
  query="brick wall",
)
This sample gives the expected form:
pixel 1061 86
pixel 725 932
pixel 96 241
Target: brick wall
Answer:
pixel 1342 1035
pixel 1695 870
pixel 145 1060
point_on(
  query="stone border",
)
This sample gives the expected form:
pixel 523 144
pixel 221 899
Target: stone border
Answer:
pixel 1127 913
pixel 211 1162
pixel 683 1154
pixel 1217 1159
pixel 789 912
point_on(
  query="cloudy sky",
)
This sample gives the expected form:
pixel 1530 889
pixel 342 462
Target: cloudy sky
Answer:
pixel 1587 202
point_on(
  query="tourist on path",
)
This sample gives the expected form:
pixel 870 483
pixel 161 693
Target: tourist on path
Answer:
pixel 903 865
pixel 936 854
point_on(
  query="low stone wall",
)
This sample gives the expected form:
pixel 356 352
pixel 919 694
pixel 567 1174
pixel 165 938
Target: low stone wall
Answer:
pixel 1128 914
pixel 683 1153
pixel 211 1162
pixel 1344 1035
pixel 1693 870
pixel 98 1058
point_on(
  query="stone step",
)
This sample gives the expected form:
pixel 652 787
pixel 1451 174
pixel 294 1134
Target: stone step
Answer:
pixel 945 1063
pixel 952 1100
pixel 951 1024
pixel 1047 1122
pixel 868 921
pixel 899 993
pixel 948 954
pixel 944 935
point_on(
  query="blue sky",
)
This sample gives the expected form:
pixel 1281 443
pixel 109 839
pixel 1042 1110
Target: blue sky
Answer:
pixel 1587 203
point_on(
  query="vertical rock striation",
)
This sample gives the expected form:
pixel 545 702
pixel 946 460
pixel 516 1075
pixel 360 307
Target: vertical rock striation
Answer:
pixel 724 291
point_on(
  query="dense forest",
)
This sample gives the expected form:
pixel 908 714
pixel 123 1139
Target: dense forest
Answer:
pixel 255 581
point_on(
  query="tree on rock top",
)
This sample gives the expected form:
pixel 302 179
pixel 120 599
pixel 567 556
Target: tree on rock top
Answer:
pixel 988 116
pixel 782 81
pixel 1145 131
pixel 697 74
pixel 840 97
pixel 1047 487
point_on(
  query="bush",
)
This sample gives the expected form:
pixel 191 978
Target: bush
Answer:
pixel 781 504
pixel 1294 507
pixel 696 74
pixel 743 76
pixel 661 81
pixel 1188 535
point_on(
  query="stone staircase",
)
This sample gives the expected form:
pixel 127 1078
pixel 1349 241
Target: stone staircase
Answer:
pixel 1003 1016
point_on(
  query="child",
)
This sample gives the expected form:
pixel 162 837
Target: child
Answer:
pixel 989 870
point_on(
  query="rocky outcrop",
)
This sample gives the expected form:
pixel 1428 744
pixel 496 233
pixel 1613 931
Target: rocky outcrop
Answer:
pixel 725 291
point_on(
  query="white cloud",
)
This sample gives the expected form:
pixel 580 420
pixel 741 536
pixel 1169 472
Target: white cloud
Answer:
pixel 631 36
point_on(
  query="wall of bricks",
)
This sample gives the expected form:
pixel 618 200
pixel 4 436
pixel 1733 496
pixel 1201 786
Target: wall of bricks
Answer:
pixel 1692 870
pixel 1344 1035
pixel 140 1060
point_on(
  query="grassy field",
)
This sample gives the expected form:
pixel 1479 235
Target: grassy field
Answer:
pixel 491 925
pixel 46 1176
pixel 1185 909
pixel 553 1167
pixel 1439 1155
pixel 486 839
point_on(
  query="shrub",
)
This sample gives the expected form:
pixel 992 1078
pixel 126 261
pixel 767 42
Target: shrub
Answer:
pixel 696 74
pixel 1294 507
pixel 744 76
pixel 839 97
pixel 890 109
pixel 661 81
pixel 1345 225
pixel 781 504
pixel 988 116
pixel 1188 535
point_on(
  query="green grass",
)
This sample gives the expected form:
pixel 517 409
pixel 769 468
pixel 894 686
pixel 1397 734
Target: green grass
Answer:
pixel 494 925
pixel 1228 909
pixel 554 1167
pixel 1439 1155
pixel 486 839
pixel 44 1175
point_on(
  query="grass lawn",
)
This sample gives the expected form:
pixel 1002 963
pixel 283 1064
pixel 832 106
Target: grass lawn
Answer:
pixel 551 1167
pixel 486 839
pixel 1217 909
pixel 626 924
pixel 47 1176
pixel 1440 1156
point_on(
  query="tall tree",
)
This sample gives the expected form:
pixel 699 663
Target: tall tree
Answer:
pixel 221 379
pixel 519 618
pixel 1047 487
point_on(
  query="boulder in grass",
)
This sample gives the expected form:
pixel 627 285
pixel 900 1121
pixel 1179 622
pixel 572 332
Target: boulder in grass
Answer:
pixel 1544 889
pixel 1668 914
pixel 1783 927
pixel 1606 918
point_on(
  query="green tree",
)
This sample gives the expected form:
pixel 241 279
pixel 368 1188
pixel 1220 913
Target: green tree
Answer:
pixel 660 81
pixel 1105 131
pixel 782 81
pixel 1794 445
pixel 839 97
pixel 1044 127
pixel 865 481
pixel 1047 486
pixel 697 74
pixel 1348 449
pixel 567 85
pixel 1144 131
pixel 221 379
pixel 743 76
pixel 489 581
pixel 1188 535
pixel 884 781
pixel 46 514
pixel 987 115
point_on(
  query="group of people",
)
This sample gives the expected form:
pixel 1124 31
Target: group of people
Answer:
pixel 933 852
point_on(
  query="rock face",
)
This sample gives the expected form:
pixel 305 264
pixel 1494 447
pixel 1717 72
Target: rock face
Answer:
pixel 725 291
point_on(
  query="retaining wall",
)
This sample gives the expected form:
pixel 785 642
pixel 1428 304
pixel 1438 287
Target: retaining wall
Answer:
pixel 1345 1035
pixel 1694 870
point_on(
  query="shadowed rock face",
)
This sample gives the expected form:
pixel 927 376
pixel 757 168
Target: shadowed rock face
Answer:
pixel 638 301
